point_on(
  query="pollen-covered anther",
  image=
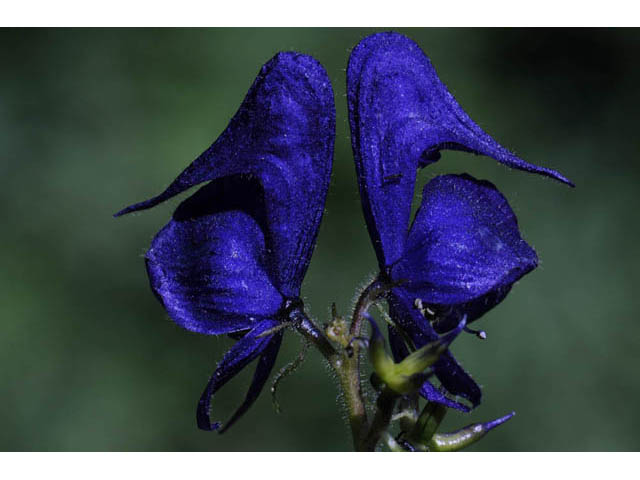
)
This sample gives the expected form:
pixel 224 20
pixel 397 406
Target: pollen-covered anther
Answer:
pixel 425 310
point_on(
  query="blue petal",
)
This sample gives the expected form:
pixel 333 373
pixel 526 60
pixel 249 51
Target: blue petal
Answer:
pixel 456 380
pixel 433 394
pixel 464 250
pixel 283 133
pixel 498 421
pixel 263 370
pixel 238 357
pixel 401 116
pixel 208 266
pixel 452 376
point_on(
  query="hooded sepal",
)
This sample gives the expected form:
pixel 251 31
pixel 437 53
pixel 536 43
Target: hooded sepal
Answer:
pixel 283 134
pixel 401 116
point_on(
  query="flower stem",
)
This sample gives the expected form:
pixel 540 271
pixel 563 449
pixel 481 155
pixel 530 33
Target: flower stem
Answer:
pixel 347 367
pixel 350 380
pixel 312 333
pixel 384 411
pixel 367 298
pixel 349 376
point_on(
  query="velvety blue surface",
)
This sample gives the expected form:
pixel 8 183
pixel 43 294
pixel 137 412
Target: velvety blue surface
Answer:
pixel 464 251
pixel 283 133
pixel 209 265
pixel 238 249
pixel 401 116
pixel 94 118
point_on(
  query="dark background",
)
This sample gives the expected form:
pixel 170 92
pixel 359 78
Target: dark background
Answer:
pixel 93 120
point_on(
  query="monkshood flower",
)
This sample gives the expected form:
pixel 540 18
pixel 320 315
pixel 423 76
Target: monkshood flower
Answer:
pixel 233 257
pixel 463 251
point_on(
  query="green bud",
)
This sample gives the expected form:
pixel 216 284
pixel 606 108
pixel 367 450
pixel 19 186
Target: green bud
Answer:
pixel 451 442
pixel 408 375
pixel 338 329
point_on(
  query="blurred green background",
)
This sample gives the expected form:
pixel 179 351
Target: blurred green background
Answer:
pixel 93 120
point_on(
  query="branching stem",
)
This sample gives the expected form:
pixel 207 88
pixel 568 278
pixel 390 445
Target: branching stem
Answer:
pixel 316 336
pixel 347 371
pixel 367 298
pixel 347 368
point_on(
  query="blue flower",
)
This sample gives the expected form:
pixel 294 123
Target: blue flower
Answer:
pixel 463 251
pixel 233 257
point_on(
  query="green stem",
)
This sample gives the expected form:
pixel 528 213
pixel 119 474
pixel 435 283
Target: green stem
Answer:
pixel 367 298
pixel 349 376
pixel 385 403
pixel 427 424
pixel 346 369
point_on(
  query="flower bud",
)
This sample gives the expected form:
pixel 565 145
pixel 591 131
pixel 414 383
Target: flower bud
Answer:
pixel 408 375
pixel 450 442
